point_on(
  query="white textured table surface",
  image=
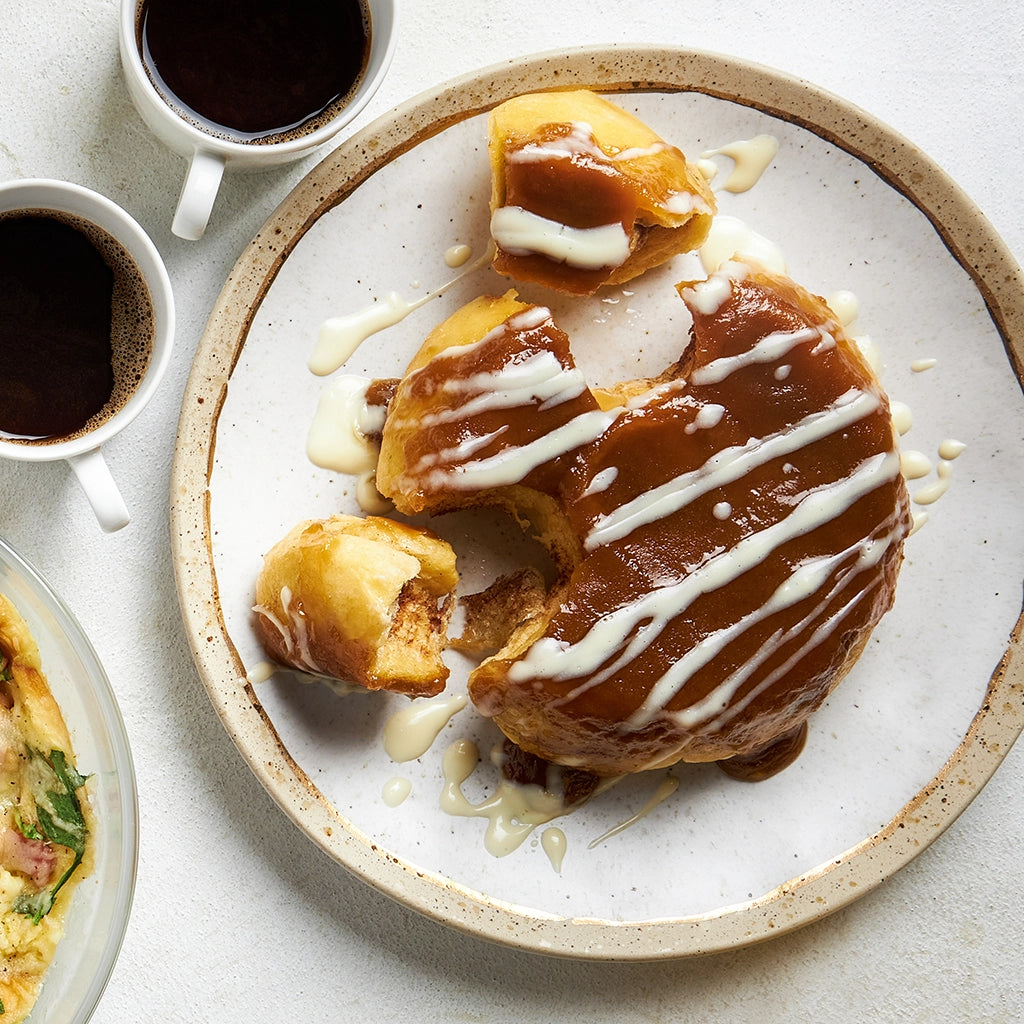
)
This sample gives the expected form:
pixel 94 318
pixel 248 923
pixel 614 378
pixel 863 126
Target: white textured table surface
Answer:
pixel 237 917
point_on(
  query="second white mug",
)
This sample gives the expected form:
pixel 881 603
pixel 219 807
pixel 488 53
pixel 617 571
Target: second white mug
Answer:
pixel 148 324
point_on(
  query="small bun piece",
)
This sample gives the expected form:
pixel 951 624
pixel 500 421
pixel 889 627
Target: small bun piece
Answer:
pixel 366 601
pixel 727 535
pixel 584 194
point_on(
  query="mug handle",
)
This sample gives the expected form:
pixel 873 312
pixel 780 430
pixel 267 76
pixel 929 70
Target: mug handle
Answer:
pixel 200 189
pixel 93 474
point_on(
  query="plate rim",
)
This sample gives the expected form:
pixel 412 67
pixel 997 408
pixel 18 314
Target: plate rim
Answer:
pixel 615 68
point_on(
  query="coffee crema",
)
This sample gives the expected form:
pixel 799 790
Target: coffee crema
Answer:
pixel 76 326
pixel 255 71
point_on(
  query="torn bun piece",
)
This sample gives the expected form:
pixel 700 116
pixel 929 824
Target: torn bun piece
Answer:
pixel 363 600
pixel 584 194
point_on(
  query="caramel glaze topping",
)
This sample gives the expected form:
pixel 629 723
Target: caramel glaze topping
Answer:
pixel 584 190
pixel 508 410
pixel 763 764
pixel 736 528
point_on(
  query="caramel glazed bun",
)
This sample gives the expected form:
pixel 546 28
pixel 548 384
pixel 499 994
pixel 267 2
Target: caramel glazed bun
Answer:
pixel 584 194
pixel 727 534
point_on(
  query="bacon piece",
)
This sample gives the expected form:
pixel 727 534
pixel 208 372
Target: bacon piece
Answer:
pixel 34 858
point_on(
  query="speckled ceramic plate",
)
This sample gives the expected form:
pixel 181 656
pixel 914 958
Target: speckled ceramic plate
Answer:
pixel 906 741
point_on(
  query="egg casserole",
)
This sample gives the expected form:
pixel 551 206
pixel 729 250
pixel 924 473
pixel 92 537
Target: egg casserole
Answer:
pixel 45 820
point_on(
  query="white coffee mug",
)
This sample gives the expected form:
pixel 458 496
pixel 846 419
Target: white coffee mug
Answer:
pixel 82 451
pixel 208 154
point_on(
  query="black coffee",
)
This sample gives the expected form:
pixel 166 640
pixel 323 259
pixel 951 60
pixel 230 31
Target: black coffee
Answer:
pixel 76 326
pixel 255 70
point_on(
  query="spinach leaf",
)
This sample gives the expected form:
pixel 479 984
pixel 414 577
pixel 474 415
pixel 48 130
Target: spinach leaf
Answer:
pixel 60 821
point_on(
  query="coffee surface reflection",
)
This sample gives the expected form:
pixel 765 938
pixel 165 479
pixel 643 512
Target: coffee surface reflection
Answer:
pixel 255 71
pixel 76 326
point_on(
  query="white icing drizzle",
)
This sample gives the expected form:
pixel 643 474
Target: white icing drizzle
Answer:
pixel 512 811
pixel 902 417
pixel 727 466
pixel 707 167
pixel 338 436
pixel 459 453
pixel 540 373
pixel 457 255
pixel 751 158
pixel 520 233
pixel 818 636
pixel 579 141
pixel 808 578
pixel 340 336
pixel 512 465
pixel 632 628
pixel 666 788
pixel 871 352
pixel 264 670
pixel 914 464
pixel 410 732
pixel 396 791
pixel 260 672
pixel 731 238
pixel 554 844
pixel 341 687
pixel 369 498
pixel 722 510
pixel 711 295
pixel 509 387
pixel 708 416
pixel 932 492
pixel 845 305
pixel 538 377
pixel 602 481
pixel 769 349
pixel 297 646
pixel 682 203
pixel 951 449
